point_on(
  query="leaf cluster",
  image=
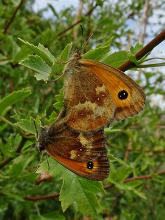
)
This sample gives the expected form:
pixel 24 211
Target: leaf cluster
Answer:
pixel 32 53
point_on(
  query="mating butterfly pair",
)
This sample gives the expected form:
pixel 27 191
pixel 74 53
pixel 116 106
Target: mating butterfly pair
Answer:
pixel 95 94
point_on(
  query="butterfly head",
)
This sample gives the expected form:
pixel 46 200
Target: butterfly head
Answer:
pixel 76 56
pixel 73 62
pixel 43 139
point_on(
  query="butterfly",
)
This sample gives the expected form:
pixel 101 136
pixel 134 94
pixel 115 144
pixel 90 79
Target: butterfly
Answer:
pixel 83 154
pixel 96 94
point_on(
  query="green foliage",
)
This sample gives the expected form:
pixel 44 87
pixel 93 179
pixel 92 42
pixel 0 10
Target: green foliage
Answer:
pixel 116 59
pixel 13 98
pixel 135 145
pixel 74 188
pixel 59 103
pixel 49 216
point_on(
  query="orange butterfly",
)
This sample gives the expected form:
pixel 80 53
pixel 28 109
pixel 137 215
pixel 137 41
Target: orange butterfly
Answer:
pixel 85 155
pixel 96 94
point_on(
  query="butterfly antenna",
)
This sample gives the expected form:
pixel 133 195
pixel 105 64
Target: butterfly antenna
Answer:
pixel 47 161
pixel 36 129
pixel 87 41
pixel 56 78
pixel 82 36
pixel 42 122
pixel 39 163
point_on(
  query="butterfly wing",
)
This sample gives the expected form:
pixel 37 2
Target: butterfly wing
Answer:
pixel 88 103
pixel 75 146
pixel 128 96
pixel 97 169
pixel 85 155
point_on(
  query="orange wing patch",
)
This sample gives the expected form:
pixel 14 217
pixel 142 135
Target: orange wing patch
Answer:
pixel 97 169
pixel 127 95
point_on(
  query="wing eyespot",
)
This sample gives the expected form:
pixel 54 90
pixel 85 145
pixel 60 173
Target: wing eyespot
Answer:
pixel 123 94
pixel 90 165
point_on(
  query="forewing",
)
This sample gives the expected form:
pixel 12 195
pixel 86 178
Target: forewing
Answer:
pixel 88 103
pixel 118 84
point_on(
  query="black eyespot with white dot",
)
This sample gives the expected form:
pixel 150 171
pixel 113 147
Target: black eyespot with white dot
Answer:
pixel 122 95
pixel 90 165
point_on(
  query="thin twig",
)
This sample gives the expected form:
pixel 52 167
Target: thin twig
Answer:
pixel 18 150
pixel 12 125
pixel 143 35
pixel 77 18
pixel 78 21
pixel 35 198
pixel 137 178
pixel 12 17
pixel 109 144
pixel 127 152
pixel 145 151
pixel 11 84
pixel 153 43
pixel 7 122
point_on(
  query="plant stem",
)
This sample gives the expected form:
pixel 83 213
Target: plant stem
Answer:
pixel 12 17
pixel 153 43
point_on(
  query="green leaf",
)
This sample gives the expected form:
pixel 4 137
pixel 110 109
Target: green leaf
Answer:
pixel 48 216
pixel 22 54
pixel 82 191
pixel 13 98
pixel 140 194
pixel 3 60
pixel 120 174
pixel 3 205
pixel 59 97
pixel 51 118
pixel 132 58
pixel 32 177
pixel 12 196
pixel 126 215
pixel 6 149
pixel 111 157
pixel 100 52
pixel 135 49
pixel 56 170
pixel 14 46
pixel 53 10
pixel 19 164
pixel 110 130
pixel 134 183
pixel 37 64
pixel 75 188
pixel 57 67
pixel 41 51
pixel 26 125
pixel 116 59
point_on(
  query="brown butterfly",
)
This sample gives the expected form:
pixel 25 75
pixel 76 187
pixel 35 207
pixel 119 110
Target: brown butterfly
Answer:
pixel 96 94
pixel 85 155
